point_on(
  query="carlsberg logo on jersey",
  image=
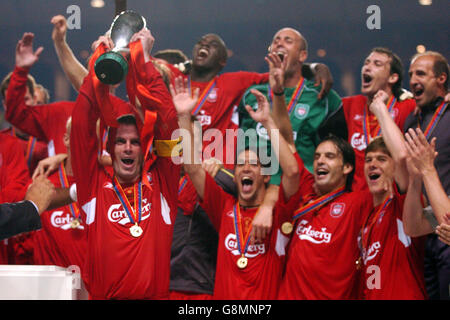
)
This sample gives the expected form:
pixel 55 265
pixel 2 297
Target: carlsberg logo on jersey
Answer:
pixel 358 141
pixel 61 219
pixel 371 252
pixel 117 214
pixel 252 251
pixel 312 235
pixel 262 132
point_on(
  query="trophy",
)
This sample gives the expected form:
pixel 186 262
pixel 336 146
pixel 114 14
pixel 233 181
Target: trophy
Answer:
pixel 111 67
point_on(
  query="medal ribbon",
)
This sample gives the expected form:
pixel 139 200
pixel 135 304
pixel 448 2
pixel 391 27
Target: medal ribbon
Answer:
pixel 434 121
pixel 74 210
pixel 182 184
pixel 295 96
pixel 366 123
pixel 238 230
pixel 201 100
pixel 131 212
pixel 363 244
pixel 318 203
pixel 30 146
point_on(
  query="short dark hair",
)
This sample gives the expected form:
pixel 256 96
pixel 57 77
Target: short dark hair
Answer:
pixel 377 144
pixel 172 56
pixel 348 156
pixel 440 64
pixel 223 51
pixel 396 67
pixel 127 119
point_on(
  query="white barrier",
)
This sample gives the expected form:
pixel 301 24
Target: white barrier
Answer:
pixel 29 282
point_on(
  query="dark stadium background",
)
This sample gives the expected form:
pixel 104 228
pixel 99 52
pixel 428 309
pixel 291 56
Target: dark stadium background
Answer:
pixel 334 27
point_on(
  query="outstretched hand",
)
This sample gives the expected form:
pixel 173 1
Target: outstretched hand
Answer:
pixel 26 57
pixel 182 99
pixel 262 114
pixel 261 224
pixel 107 41
pixel 59 28
pixel 276 72
pixel 443 230
pixel 421 152
pixel 323 77
pixel 147 41
pixel 48 165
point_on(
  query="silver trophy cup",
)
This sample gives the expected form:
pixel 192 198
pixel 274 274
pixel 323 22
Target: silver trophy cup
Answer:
pixel 111 67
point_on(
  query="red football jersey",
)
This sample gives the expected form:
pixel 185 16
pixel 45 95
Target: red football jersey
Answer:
pixel 47 122
pixel 354 116
pixel 393 262
pixel 34 150
pixel 14 179
pixel 261 278
pixel 321 261
pixel 14 176
pixel 56 243
pixel 119 266
pixel 219 111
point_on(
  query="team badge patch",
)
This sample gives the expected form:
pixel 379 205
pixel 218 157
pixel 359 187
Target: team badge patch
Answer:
pixel 301 110
pixel 212 96
pixel 337 209
pixel 108 185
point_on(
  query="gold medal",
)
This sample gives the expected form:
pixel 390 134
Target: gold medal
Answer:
pixel 287 228
pixel 242 262
pixel 75 223
pixel 136 231
pixel 358 263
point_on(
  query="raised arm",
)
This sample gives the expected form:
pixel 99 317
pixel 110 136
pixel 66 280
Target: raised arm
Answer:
pixel 279 113
pixel 423 154
pixel 281 148
pixel 322 76
pixel 84 143
pixel 35 121
pixel 73 69
pixel 393 138
pixel 184 104
pixel 157 97
pixel 414 221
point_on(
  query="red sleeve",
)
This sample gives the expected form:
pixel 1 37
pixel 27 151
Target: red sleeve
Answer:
pixel 407 106
pixel 14 175
pixel 34 120
pixel 304 192
pixel 83 142
pixel 187 197
pixel 214 201
pixel 159 101
pixel 245 79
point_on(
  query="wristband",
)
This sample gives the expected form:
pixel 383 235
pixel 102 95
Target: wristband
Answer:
pixel 278 93
pixel 73 192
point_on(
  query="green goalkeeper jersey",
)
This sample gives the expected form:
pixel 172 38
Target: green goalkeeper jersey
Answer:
pixel 307 115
